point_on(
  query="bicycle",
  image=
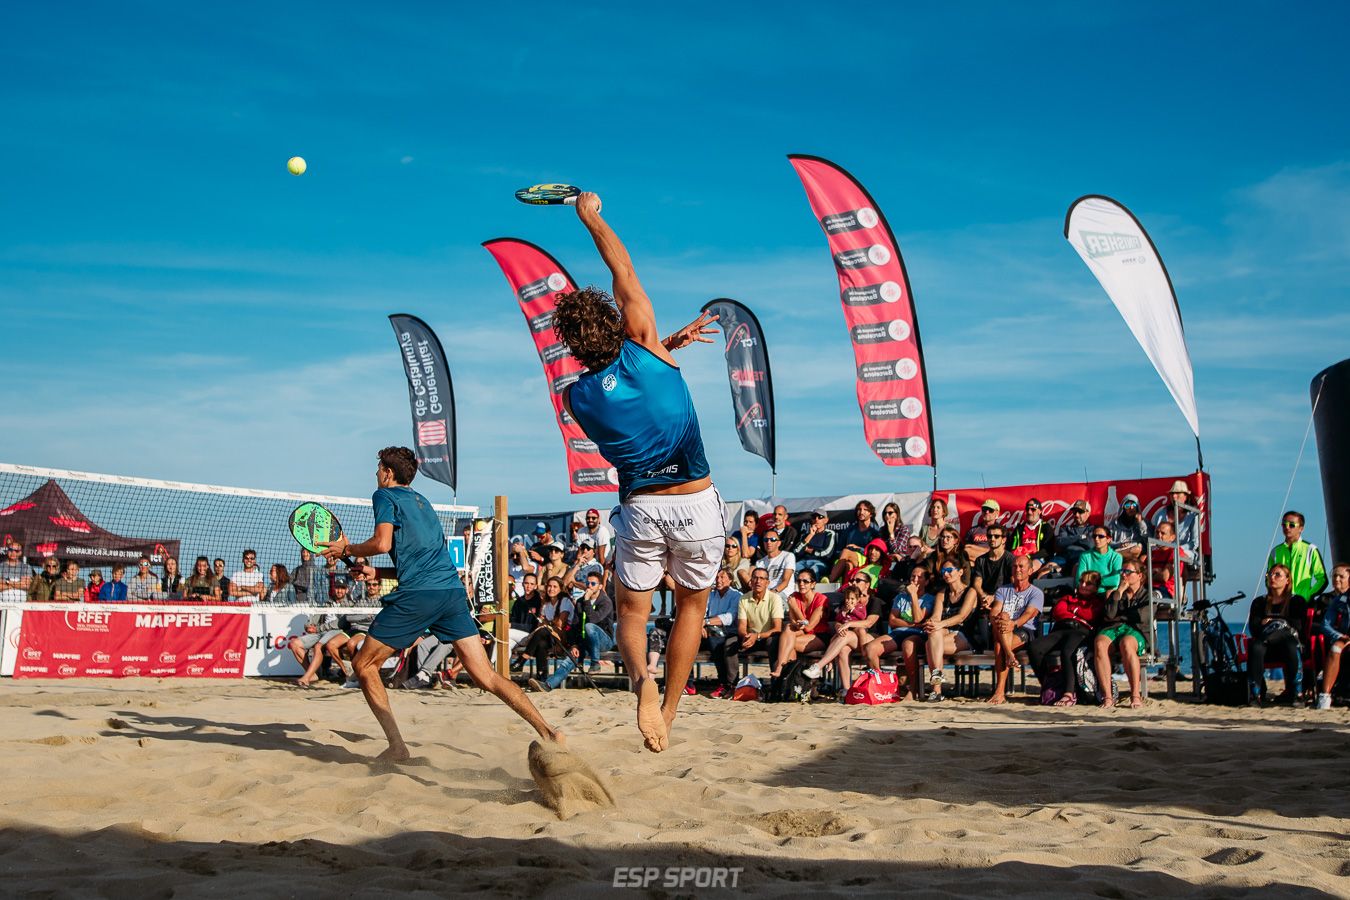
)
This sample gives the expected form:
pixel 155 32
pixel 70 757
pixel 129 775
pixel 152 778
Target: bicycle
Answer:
pixel 1214 653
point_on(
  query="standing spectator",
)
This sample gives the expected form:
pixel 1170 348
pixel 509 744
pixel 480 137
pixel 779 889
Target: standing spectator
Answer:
pixel 816 547
pixel 1336 627
pixel 1303 559
pixel 1012 616
pixel 937 520
pixel 246 585
pixel 1034 538
pixel 1275 621
pixel 977 538
pixel 895 533
pixel 863 530
pixel 113 590
pixel 1129 532
pixel 1074 537
pixel 172 580
pixel 807 628
pixel 736 564
pixel 1126 623
pixel 759 616
pixel 69 588
pixel 1101 559
pixel 94 586
pixel 994 569
pixel 223 581
pixel 600 534
pixel 202 584
pixel 144 585
pixel 15 575
pixel 786 533
pixel 719 631
pixel 44 583
pixel 1075 617
pixel 280 590
pixel 780 564
pixel 749 535
pixel 310 579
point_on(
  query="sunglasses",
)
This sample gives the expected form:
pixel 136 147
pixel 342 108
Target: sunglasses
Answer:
pixel 805 581
pixel 860 581
pixel 774 539
pixel 995 537
pixel 1129 571
pixel 1102 536
pixel 948 570
pixel 1288 524
pixel 1131 505
pixel 1033 506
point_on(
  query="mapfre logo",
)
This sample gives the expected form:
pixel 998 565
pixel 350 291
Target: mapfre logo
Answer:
pixel 67 670
pixel 99 656
pixel 131 671
pixel 168 658
pixel 233 656
pixel 32 655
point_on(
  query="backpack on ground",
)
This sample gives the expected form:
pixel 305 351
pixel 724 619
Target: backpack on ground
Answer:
pixel 792 685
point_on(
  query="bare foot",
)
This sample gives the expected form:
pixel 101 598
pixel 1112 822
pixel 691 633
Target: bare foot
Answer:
pixel 395 754
pixel 1108 703
pixel 650 719
pixel 1136 702
pixel 996 699
pixel 305 681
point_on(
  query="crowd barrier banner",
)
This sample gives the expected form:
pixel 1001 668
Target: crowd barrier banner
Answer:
pixel 90 640
pixel 431 397
pixel 1056 499
pixel 269 635
pixel 537 278
pixel 892 382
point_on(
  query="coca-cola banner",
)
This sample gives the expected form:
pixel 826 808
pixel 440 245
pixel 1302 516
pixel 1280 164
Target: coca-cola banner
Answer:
pixel 1056 499
pixel 879 311
pixel 748 371
pixel 89 640
pixel 537 279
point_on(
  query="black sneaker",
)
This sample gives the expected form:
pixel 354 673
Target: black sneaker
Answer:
pixel 540 686
pixel 936 697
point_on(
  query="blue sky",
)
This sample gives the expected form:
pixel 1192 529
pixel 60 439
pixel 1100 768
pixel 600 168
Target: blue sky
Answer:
pixel 176 305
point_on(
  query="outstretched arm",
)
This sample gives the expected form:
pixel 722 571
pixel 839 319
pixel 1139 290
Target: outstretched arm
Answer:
pixel 638 316
pixel 696 331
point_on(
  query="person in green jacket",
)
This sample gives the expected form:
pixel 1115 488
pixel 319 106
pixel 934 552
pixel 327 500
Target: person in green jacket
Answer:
pixel 1101 559
pixel 1304 560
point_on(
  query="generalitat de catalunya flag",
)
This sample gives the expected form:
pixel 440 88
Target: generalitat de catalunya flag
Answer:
pixel 1121 254
pixel 879 310
pixel 748 372
pixel 430 396
pixel 537 279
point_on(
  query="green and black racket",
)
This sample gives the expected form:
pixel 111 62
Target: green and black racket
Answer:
pixel 313 525
pixel 549 194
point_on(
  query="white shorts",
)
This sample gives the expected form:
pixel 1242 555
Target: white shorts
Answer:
pixel 677 533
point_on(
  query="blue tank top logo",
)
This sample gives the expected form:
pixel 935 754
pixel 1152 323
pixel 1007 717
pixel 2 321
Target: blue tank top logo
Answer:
pixel 610 383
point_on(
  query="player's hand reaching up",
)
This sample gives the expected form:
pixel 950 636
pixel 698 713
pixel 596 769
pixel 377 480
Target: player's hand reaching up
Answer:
pixel 588 204
pixel 696 331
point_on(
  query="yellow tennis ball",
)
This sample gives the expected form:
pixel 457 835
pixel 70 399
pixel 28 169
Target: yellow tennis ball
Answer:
pixel 296 164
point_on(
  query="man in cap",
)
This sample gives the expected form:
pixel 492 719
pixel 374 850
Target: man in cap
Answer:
pixel 1188 532
pixel 600 534
pixel 1074 537
pixel 977 538
pixel 543 539
pixel 1034 538
pixel 1128 531
pixel 815 548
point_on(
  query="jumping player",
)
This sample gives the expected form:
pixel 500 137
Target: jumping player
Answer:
pixel 633 402
pixel 430 596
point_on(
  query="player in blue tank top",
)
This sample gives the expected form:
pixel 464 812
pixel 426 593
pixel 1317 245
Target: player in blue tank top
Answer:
pixel 429 597
pixel 633 403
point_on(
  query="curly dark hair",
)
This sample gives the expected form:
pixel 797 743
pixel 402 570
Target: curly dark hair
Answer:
pixel 590 324
pixel 401 461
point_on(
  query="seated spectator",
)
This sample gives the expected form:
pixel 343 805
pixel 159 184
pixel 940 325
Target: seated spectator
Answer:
pixel 308 648
pixel 937 521
pixel 43 584
pixel 15 575
pixel 873 562
pixel 554 567
pixel 94 586
pixel 113 590
pixel 914 555
pixel 592 633
pixel 584 566
pixel 780 564
pixel 816 547
pixel 543 539
pixel 863 530
pixel 952 626
pixel 1075 617
pixel 895 534
pixel 524 617
pixel 994 569
pixel 600 534
pixel 749 535
pixel 279 591
pixel 1303 559
pixel 1275 623
pixel 787 534
pixel 1336 627
pixel 1012 622
pixel 246 585
pixel 909 610
pixel 1034 538
pixel 1129 531
pixel 518 562
pixel 852 627
pixel 719 632
pixel 223 581
pixel 428 659
pixel 1074 537
pixel 1165 560
pixel 1126 623
pixel 949 551
pixel 737 565
pixel 69 588
pixel 759 615
pixel 202 584
pixel 807 626
pixel 1101 559
pixel 144 585
pixel 172 582
pixel 550 638
pixel 977 538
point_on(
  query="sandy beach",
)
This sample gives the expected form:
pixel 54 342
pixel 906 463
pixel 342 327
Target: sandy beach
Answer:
pixel 154 789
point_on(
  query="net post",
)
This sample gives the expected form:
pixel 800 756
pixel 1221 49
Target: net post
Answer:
pixel 502 622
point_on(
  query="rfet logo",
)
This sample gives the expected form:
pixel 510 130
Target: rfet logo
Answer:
pixel 31 654
pixel 195 670
pixel 233 656
pixel 167 658
pixel 99 656
pixel 131 671
pixel 67 670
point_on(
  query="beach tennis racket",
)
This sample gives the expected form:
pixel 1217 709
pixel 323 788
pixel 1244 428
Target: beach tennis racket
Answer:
pixel 549 194
pixel 313 525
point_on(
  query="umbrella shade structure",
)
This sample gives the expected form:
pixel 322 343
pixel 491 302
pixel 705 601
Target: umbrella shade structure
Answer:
pixel 49 523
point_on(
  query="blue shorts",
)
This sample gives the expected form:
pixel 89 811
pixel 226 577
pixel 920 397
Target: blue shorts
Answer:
pixel 899 634
pixel 411 613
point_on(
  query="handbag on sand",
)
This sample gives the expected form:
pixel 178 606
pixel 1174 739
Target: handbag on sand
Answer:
pixel 873 688
pixel 747 689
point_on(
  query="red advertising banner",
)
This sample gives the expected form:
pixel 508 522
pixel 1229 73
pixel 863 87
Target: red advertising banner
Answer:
pixel 1103 496
pixel 537 278
pixel 92 641
pixel 879 311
